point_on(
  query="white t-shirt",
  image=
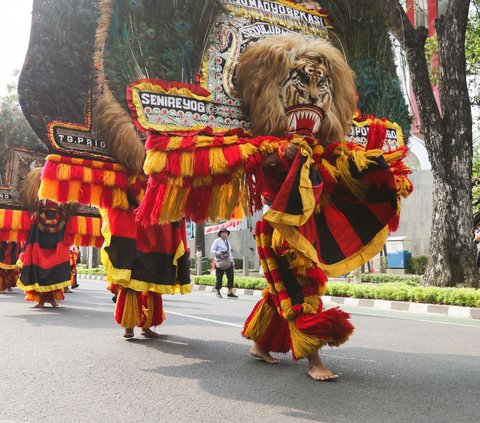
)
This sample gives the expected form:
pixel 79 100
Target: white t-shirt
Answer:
pixel 221 245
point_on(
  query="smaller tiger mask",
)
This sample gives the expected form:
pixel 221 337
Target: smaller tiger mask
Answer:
pixel 293 85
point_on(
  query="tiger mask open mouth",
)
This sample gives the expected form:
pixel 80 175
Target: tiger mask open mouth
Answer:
pixel 304 119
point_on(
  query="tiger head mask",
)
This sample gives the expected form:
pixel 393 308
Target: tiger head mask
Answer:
pixel 290 84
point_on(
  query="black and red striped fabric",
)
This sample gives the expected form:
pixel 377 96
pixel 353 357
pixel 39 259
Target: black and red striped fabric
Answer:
pixel 9 252
pixel 345 225
pixel 149 252
pixel 45 262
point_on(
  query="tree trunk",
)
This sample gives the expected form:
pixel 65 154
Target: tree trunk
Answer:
pixel 452 249
pixel 448 139
pixel 200 238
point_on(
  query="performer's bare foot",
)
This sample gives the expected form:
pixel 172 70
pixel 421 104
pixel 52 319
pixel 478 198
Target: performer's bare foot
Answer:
pixel 128 333
pixel 54 304
pixel 318 371
pixel 41 304
pixel 257 352
pixel 149 333
pixel 67 289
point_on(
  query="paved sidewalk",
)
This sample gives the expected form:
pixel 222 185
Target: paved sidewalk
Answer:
pixel 418 308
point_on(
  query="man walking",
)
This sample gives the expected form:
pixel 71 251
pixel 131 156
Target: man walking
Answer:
pixel 222 252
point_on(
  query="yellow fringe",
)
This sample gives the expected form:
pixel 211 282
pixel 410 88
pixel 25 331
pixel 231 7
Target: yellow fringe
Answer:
pixel 87 175
pixel 155 162
pixel 332 170
pixel 186 164
pixel 74 190
pixel 174 143
pixel 303 345
pixel 148 312
pixel 63 171
pixel 257 326
pixel 131 316
pixel 216 161
pixel 95 194
pixel 48 188
pixel 311 304
pixel 355 186
pixel 108 178
pixel 119 199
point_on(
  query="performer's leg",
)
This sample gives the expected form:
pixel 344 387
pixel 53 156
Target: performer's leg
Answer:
pixel 317 370
pixel 265 327
pixel 230 274
pixel 219 277
pixel 128 310
pixel 3 281
pixel 52 297
pixel 153 315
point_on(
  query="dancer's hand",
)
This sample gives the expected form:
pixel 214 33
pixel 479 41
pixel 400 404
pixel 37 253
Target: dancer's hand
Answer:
pixel 291 151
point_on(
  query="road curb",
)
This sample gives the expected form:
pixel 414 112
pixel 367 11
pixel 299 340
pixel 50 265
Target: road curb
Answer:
pixel 417 308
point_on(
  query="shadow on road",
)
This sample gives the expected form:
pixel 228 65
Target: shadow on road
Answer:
pixel 375 385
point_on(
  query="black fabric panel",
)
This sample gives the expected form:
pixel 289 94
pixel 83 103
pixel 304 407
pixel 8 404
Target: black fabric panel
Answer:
pixel 382 194
pixel 121 252
pixel 315 177
pixel 3 252
pixel 158 268
pixel 183 273
pixel 291 285
pixel 329 248
pixel 45 277
pixel 294 204
pixel 363 221
pixel 45 240
pixel 379 164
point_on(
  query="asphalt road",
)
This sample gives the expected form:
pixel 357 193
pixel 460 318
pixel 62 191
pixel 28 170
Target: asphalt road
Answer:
pixel 72 365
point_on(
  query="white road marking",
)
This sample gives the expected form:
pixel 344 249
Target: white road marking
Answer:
pixel 204 319
pixel 416 319
pixel 349 358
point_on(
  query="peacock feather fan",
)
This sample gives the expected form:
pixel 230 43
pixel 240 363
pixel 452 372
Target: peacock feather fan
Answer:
pixel 162 39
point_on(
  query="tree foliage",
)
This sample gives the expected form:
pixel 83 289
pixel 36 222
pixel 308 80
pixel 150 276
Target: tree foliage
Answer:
pixel 14 129
pixel 472 52
pixel 364 37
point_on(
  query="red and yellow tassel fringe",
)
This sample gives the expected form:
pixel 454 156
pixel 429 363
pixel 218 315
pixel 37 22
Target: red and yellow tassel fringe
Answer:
pixel 14 225
pixel 202 176
pixel 88 182
pixel 85 231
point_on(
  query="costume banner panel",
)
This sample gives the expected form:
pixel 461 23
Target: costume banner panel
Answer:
pixel 14 219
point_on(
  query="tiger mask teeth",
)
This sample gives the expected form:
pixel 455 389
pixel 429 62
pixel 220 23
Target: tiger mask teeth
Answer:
pixel 304 119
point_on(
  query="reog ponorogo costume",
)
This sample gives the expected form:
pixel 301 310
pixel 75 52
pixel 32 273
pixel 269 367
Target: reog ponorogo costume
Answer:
pixel 220 138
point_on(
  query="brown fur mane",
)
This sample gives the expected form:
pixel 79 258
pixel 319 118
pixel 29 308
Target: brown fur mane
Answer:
pixel 29 190
pixel 265 65
pixel 115 127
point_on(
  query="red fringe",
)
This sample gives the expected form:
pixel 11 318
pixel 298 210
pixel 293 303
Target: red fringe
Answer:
pixel 197 204
pixel 332 326
pixel 376 136
pixel 158 316
pixel 201 162
pixel 393 223
pixel 277 334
